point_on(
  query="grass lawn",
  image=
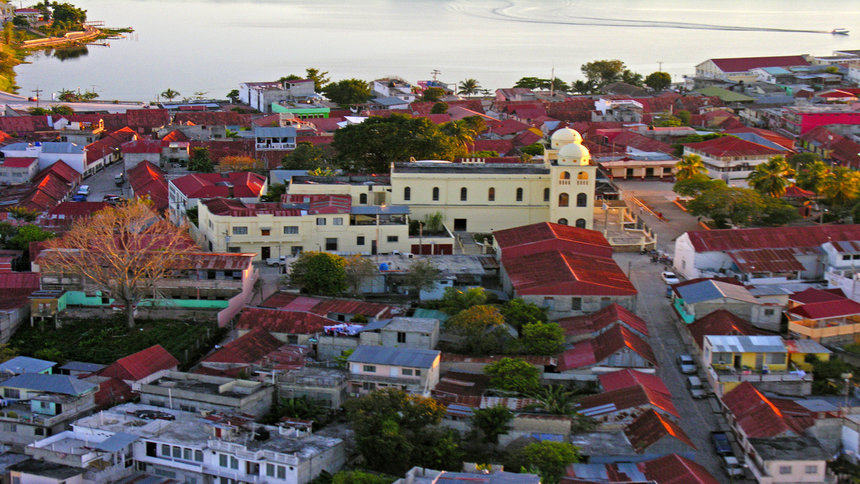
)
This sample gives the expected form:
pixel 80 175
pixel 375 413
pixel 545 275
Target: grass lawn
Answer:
pixel 105 341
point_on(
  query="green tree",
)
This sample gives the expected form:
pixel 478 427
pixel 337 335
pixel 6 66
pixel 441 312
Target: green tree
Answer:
pixel 23 214
pixel 306 156
pixel 347 92
pixel 319 273
pixel 26 234
pixel 170 94
pixel 233 96
pixel 696 185
pixel 422 275
pixel 556 400
pixel 359 477
pixel 685 117
pixel 439 448
pixel 301 408
pixel 514 375
pixel 274 192
pixel 470 87
pixel 632 78
pixel 799 160
pixel 658 80
pixel 534 149
pixel 319 77
pixel 518 313
pixel 738 206
pixel 583 87
pixel 358 270
pixel 388 424
pixel 531 82
pixel 549 458
pixel 68 15
pixel 603 72
pixel 373 145
pixel 771 177
pixel 841 187
pixel 432 94
pixel 460 133
pixel 62 110
pixel 492 422
pixel 541 338
pixel 7 352
pixel 776 212
pixel 481 330
pixel 454 300
pixel 439 108
pixel 200 160
pixel 812 174
pixel 689 166
pixel 20 21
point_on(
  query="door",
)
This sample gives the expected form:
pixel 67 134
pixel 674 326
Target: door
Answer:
pixel 459 225
pixel 649 171
pixel 373 247
pixel 737 362
pixel 265 252
pixel 296 250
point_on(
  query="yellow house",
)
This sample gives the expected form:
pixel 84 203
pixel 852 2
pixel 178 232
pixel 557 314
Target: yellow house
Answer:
pixel 766 361
pixel 478 197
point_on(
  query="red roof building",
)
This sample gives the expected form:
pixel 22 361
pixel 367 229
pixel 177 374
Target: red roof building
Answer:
pixel 617 347
pixel 730 148
pixel 229 185
pixel 148 180
pixel 720 323
pixel 138 366
pixel 619 408
pixel 674 469
pixel 255 348
pixel 617 380
pixel 651 428
pixel 580 327
pixel 723 68
pixel 549 236
pixel 281 323
pixel 757 416
pixel 336 309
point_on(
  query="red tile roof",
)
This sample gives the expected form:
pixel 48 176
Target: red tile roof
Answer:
pixel 730 146
pixel 759 417
pixel 617 380
pixel 249 348
pixel 143 146
pixel 532 238
pixel 720 323
pixel 766 260
pixel 604 345
pixel 795 191
pixel 813 295
pixel 564 273
pixel 147 180
pixel 19 162
pixel 23 125
pixel 509 127
pixel 743 64
pixel 146 119
pixel 827 309
pixel 140 365
pixel 501 146
pixel 109 144
pixel 281 321
pixel 210 185
pixel 325 306
pixel 175 135
pixel 650 427
pixel 594 322
pixel 771 136
pixel 636 396
pixel 674 469
pixel 19 280
pixel 73 210
pixel 213 118
pixel 638 141
pixel 772 237
pixel 112 391
pixel 61 169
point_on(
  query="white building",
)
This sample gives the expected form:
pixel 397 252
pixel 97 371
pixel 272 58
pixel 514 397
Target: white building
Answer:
pixel 50 152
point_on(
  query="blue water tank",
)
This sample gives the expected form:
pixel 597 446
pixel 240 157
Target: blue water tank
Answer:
pixel 383 266
pixel 37 143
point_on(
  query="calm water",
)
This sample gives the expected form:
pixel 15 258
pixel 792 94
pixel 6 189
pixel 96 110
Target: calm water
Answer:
pixel 212 45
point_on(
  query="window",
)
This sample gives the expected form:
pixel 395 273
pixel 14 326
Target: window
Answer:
pixel 265 232
pixel 785 469
pixel 292 339
pixel 581 200
pixel 406 371
pixel 768 312
pixel 576 303
pixel 519 194
pixel 565 175
pixel 811 470
pixel 464 194
pixel 582 176
pixel 846 257
pixel 320 221
pixel 580 222
pixel 546 194
pixel 222 460
pixel 435 194
pixel 368 368
pixel 491 195
pixel 11 393
pixel 407 193
pixel 392 238
pixel 282 472
pixel 401 337
pixel 338 221
pixel 234 462
pixel 165 450
pixel 186 454
pixel 562 221
pixel 362 198
pixel 291 229
pixel 775 359
pixel 270 470
pixel 210 225
pixel 359 240
pixel 198 455
pixel 240 230
pixel 417 372
pixel 330 243
pixel 177 452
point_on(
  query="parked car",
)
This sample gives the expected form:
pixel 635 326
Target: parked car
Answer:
pixel 84 190
pixel 732 466
pixel 112 199
pixel 277 261
pixel 721 443
pixel 687 364
pixel 694 384
pixel 669 277
pixel 79 198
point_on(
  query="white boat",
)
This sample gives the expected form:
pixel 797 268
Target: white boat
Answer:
pixel 839 31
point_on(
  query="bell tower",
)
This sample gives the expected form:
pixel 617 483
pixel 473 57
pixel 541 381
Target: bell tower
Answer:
pixel 572 181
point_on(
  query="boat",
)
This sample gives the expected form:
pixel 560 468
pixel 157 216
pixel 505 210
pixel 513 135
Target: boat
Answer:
pixel 839 31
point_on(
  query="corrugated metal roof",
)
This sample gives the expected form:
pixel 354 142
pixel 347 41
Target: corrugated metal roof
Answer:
pixel 746 344
pixel 25 364
pixel 766 260
pixel 117 441
pixel 61 384
pixel 709 289
pixel 772 237
pixel 383 355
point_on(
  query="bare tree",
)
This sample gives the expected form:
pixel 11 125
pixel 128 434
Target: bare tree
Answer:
pixel 358 269
pixel 122 251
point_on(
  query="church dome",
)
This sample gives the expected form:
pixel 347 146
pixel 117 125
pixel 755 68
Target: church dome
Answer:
pixel 563 137
pixel 575 154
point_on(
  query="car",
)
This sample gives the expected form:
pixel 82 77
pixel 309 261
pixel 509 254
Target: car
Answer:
pixel 112 199
pixel 79 198
pixel 732 466
pixel 84 190
pixel 669 277
pixel 694 384
pixel 687 364
pixel 277 261
pixel 721 443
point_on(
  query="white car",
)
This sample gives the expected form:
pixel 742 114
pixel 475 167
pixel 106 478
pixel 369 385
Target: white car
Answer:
pixel 687 364
pixel 277 261
pixel 669 277
pixel 84 190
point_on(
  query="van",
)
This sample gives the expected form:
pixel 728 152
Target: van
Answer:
pixel 694 384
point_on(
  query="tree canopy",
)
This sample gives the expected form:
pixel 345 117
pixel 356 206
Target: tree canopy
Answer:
pixel 606 71
pixel 690 166
pixel 319 273
pixel 481 330
pixel 541 338
pixel 515 375
pixel 455 300
pixel 771 177
pixel 422 275
pixel 518 313
pixel 492 422
pixel 200 160
pixel 307 156
pixel 347 92
pixel 549 459
pixel 658 80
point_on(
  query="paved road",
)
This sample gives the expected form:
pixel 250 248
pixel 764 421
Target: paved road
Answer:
pixel 698 417
pixel 102 183
pixel 659 196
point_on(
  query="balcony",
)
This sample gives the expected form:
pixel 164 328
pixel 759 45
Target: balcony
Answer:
pixel 564 182
pixel 363 377
pixel 822 330
pixel 737 376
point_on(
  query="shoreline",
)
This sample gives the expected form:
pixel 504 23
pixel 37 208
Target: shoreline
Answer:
pixel 70 38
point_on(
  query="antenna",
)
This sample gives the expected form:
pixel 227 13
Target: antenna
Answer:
pixel 552 82
pixel 435 72
pixel 38 92
pixel 660 66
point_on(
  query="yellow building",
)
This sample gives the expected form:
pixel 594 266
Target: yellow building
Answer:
pixel 477 197
pixel 768 362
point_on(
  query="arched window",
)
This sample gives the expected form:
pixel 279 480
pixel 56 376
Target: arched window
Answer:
pixel 582 176
pixel 464 194
pixel 407 193
pixel 362 198
pixel 581 200
pixel 563 200
pixel 546 194
pixel 580 222
pixel 565 175
pixel 519 194
pixel 435 194
pixel 562 221
pixel 491 195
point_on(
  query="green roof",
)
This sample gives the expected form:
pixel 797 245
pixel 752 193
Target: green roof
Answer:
pixel 725 95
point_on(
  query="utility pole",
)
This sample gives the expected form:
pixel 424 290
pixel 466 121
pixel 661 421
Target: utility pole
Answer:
pixel 435 72
pixel 38 93
pixel 660 66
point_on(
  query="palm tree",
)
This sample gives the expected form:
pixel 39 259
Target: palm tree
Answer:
pixel 169 94
pixel 771 177
pixel 492 422
pixel 690 166
pixel 469 87
pixel 556 400
pixel 842 186
pixel 812 175
pixel 461 132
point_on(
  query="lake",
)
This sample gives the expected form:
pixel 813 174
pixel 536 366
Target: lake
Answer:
pixel 212 45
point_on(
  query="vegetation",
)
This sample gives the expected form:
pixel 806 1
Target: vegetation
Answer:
pixel 454 300
pixel 481 330
pixel 273 194
pixel 299 408
pixel 319 273
pixel 359 477
pixel 470 87
pixel 200 161
pixel 358 269
pixel 170 94
pixel 514 375
pixel 347 92
pixel 307 156
pixel 541 339
pixel 658 81
pixel 606 71
pixel 690 167
pixel 827 375
pixel 548 459
pixel 518 313
pixel 772 177
pixel 422 275
pixel 541 83
pixel 432 94
pixel 492 422
pixel 237 163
